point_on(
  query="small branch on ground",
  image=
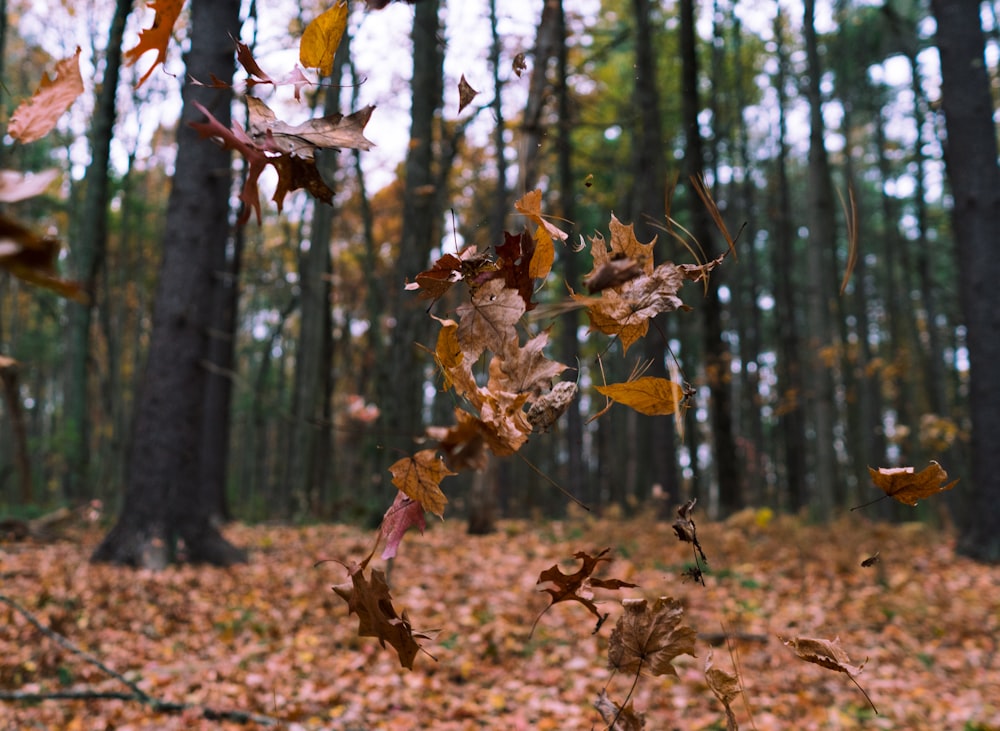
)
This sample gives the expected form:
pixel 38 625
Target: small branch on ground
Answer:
pixel 137 693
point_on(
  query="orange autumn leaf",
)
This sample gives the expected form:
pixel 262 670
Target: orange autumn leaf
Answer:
pixel 321 38
pixel 489 321
pixel 37 116
pixel 647 395
pixel 907 486
pixel 420 477
pixel 157 36
pixel 828 654
pixel 530 206
pixel 647 639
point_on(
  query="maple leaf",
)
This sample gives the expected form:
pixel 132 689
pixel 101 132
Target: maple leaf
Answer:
pixel 36 116
pixel 649 638
pixel 624 718
pixel 321 38
pixel 157 36
pixel 525 369
pixel 907 486
pixel 530 206
pixel 420 477
pixel 334 131
pixel 465 94
pixel 647 395
pixel 726 687
pixel 504 424
pixel 828 654
pixel 488 321
pixel 577 586
pixel 371 601
pixel 613 273
pixel 403 514
pixel 437 280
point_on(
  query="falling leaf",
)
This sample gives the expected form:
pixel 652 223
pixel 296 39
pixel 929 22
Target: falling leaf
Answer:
pixel 687 532
pixel 157 36
pixel 525 369
pixel 577 586
pixel 647 395
pixel 465 93
pixel 488 321
pixel 618 719
pixel 463 444
pixel 871 560
pixel 514 257
pixel 371 601
pixel 907 486
pixel 321 38
pixel 16 186
pixel 519 65
pixel 612 273
pixel 420 477
pixel 37 116
pixel 403 514
pixel 649 638
pixel 546 410
pixel 546 233
pixel 726 688
pixel 828 654
pixel 32 258
pixel 333 131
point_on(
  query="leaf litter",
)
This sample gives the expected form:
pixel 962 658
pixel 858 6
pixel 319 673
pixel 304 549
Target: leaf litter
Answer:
pixel 271 638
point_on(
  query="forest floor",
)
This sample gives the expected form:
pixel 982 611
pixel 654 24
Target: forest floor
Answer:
pixel 271 638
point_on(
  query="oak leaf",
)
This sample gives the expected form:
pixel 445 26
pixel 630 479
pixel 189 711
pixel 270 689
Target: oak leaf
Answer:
pixel 578 585
pixel 907 486
pixel 403 514
pixel 649 638
pixel 157 36
pixel 321 38
pixel 334 131
pixel 647 395
pixel 256 75
pixel 371 601
pixel 36 116
pixel 419 476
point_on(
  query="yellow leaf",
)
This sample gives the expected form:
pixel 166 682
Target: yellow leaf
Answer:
pixel 321 39
pixel 647 395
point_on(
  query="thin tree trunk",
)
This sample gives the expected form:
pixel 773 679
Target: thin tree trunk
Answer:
pixel 89 245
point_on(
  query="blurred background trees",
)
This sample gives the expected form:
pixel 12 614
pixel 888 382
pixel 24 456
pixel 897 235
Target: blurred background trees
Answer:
pixel 787 111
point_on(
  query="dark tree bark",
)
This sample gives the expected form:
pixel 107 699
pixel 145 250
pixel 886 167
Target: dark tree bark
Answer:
pixel 821 244
pixel 971 160
pixel 402 379
pixel 717 357
pixel 648 202
pixel 89 244
pixel 791 416
pixel 165 515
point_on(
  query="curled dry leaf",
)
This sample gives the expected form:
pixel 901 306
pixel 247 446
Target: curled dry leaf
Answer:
pixel 619 718
pixel 726 687
pixel 547 409
pixel 828 654
pixel 647 639
pixel 403 514
pixel 907 486
pixel 465 93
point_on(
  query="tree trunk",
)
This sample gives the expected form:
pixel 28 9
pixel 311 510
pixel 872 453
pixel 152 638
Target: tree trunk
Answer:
pixel 165 515
pixel 821 244
pixel 87 255
pixel 402 379
pixel 717 357
pixel 971 159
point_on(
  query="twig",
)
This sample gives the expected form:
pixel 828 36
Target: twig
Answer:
pixel 137 694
